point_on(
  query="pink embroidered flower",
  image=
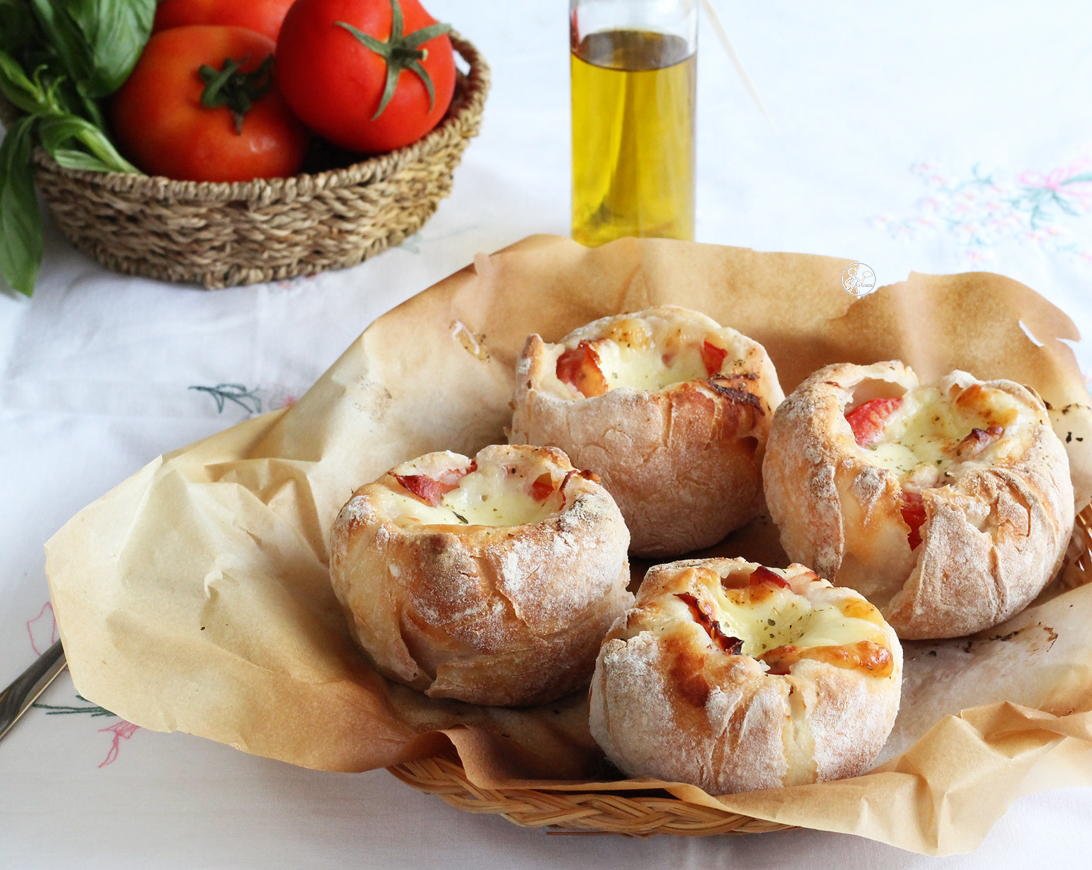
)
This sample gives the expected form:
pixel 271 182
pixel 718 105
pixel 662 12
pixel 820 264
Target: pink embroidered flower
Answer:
pixel 984 212
pixel 1073 180
pixel 121 730
pixel 43 629
pixel 43 633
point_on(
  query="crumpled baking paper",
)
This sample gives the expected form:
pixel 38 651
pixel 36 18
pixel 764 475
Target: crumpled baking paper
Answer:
pixel 195 596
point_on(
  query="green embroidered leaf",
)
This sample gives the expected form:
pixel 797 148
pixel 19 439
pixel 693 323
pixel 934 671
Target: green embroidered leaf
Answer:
pixel 237 393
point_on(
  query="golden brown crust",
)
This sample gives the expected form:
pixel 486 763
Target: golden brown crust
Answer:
pixel 501 615
pixel 995 526
pixel 683 462
pixel 668 701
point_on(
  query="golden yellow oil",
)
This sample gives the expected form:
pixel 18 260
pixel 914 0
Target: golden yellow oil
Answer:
pixel 633 136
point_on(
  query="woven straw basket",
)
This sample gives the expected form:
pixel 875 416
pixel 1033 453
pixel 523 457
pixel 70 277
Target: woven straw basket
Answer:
pixel 227 234
pixel 637 813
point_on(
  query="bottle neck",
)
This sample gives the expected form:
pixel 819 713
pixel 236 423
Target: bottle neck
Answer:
pixel 677 18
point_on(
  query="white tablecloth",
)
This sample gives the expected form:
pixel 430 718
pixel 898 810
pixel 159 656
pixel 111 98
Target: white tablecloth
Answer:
pixel 925 138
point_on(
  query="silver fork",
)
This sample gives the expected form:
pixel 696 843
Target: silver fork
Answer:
pixel 16 698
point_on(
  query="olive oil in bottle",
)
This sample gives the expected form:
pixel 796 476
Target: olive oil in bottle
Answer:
pixel 633 97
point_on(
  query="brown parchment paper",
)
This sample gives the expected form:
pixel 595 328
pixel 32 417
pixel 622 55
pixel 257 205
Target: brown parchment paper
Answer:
pixel 194 596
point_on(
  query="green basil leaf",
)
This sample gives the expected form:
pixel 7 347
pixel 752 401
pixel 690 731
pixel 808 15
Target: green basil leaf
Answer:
pixel 20 219
pixel 70 158
pixel 18 89
pixel 117 31
pixel 63 37
pixel 17 27
pixel 99 41
pixel 58 131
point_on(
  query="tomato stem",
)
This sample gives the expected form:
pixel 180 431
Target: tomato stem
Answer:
pixel 401 51
pixel 233 89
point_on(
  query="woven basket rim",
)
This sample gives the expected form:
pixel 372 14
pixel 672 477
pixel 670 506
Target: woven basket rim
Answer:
pixel 464 112
pixel 604 811
pixel 634 813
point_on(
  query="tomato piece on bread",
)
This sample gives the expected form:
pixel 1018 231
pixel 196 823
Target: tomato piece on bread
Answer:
pixel 868 419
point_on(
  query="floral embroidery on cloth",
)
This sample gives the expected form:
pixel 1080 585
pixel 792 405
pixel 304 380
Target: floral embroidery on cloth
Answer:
pixel 254 400
pixel 42 630
pixel 986 210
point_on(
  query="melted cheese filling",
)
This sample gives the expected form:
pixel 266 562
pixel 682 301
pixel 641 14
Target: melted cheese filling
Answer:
pixel 648 368
pixel 490 496
pixel 921 439
pixel 768 617
pixel 645 354
pixel 772 617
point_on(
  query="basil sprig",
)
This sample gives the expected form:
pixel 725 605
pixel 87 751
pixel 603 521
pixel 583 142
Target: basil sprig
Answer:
pixel 58 59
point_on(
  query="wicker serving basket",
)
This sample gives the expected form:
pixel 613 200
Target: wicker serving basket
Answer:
pixel 630 812
pixel 619 812
pixel 221 235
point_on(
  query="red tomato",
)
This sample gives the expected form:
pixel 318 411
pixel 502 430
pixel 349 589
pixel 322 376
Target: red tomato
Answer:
pixel 912 508
pixel 335 82
pixel 265 16
pixel 869 419
pixel 160 124
pixel 579 367
pixel 712 356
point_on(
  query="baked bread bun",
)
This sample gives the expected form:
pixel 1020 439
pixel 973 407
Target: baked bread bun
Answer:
pixel 949 506
pixel 733 677
pixel 490 580
pixel 668 407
